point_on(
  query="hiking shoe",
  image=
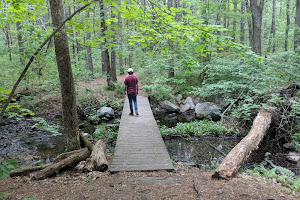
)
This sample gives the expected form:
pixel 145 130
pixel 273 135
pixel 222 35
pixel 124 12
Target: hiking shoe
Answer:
pixel 137 113
pixel 131 114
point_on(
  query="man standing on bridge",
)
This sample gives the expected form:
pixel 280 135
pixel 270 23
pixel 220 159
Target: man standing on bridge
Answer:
pixel 132 89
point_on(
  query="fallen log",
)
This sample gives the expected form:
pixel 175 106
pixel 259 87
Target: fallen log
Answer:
pixel 26 170
pixel 86 142
pixel 65 155
pixel 97 160
pixel 234 159
pixel 70 161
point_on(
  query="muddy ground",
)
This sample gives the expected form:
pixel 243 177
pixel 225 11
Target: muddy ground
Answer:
pixel 179 184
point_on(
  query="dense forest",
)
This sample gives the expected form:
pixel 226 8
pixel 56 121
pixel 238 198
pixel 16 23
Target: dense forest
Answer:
pixel 242 55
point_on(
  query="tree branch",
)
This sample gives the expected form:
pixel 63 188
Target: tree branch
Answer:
pixel 36 53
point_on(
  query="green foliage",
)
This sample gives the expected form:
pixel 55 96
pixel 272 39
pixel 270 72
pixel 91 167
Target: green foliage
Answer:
pixel 283 175
pixel 14 110
pixel 196 129
pixel 245 110
pixel 43 125
pixel 5 194
pixel 212 165
pixel 107 133
pixel 6 166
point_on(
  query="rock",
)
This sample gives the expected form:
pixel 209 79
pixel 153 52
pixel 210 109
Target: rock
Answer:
pixel 222 102
pixel 293 156
pixel 179 97
pixel 207 109
pixel 188 106
pixel 288 146
pixel 104 111
pixel 171 115
pixel 157 112
pixel 170 107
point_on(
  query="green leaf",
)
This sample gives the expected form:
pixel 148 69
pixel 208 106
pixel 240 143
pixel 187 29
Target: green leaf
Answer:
pixel 7 91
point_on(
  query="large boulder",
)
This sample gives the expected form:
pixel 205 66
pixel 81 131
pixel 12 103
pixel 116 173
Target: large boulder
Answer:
pixel 170 107
pixel 188 106
pixel 208 109
pixel 105 111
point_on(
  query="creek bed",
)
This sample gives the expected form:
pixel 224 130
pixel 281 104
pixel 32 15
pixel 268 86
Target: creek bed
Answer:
pixel 198 150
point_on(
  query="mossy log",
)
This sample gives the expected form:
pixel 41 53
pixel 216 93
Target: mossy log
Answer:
pixel 235 158
pixel 97 160
pixel 70 161
pixel 26 170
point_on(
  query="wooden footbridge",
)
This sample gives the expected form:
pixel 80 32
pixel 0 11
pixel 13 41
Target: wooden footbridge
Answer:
pixel 140 146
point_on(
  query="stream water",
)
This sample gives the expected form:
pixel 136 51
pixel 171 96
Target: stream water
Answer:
pixel 20 140
pixel 198 150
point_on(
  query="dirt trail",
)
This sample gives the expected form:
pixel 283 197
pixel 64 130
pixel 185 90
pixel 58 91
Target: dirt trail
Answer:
pixel 144 185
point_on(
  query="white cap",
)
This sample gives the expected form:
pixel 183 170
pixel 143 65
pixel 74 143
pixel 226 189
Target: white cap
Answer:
pixel 130 70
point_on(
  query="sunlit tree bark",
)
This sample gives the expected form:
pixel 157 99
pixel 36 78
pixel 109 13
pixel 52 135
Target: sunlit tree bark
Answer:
pixel 69 107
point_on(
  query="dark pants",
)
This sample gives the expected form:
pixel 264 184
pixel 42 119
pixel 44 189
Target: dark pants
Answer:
pixel 132 97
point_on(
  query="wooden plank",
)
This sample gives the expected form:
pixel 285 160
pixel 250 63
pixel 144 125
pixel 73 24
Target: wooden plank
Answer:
pixel 139 144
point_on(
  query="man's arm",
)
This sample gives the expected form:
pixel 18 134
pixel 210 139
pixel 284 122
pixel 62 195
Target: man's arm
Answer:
pixel 125 89
pixel 137 88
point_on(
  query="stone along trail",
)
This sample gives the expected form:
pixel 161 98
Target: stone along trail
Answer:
pixel 140 146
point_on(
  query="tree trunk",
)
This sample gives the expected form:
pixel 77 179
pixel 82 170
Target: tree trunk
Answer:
pixel 235 158
pixel 6 31
pixel 297 28
pixel 242 38
pixel 20 43
pixel 234 22
pixel 250 29
pixel 287 25
pixel 89 52
pixel 103 29
pixel 120 41
pixel 273 33
pixel 171 71
pixel 256 24
pixel 113 53
pixel 70 161
pixel 97 160
pixel 69 107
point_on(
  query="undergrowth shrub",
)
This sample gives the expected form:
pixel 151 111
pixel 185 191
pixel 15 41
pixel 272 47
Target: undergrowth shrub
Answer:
pixel 282 175
pixel 107 133
pixel 201 128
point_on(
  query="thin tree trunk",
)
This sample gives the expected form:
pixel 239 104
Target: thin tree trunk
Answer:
pixel 103 29
pixel 6 31
pixel 89 52
pixel 20 43
pixel 69 107
pixel 250 29
pixel 171 71
pixel 273 30
pixel 120 41
pixel 113 53
pixel 257 24
pixel 287 25
pixel 297 28
pixel 234 22
pixel 242 38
